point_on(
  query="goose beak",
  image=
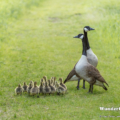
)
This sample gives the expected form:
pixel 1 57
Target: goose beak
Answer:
pixel 92 29
pixel 76 36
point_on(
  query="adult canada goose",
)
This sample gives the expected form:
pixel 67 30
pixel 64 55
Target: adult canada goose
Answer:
pixel 92 59
pixel 87 71
pixel 18 90
pixel 24 87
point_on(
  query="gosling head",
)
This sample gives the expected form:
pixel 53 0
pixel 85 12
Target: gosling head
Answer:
pixel 24 83
pixel 45 78
pixel 57 85
pixel 87 28
pixel 19 85
pixel 42 80
pixel 30 84
pixel 61 80
pixel 35 84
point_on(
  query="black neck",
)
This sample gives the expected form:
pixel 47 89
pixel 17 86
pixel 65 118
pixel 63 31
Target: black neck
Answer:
pixel 84 47
pixel 86 40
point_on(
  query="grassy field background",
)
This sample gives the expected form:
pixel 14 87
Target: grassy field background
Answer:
pixel 36 39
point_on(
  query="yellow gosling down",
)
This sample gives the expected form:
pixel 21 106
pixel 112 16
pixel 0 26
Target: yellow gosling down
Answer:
pixel 34 90
pixel 18 90
pixel 47 89
pixel 41 87
pixel 54 81
pixel 53 89
pixel 42 80
pixel 62 84
pixel 60 89
pixel 29 88
pixel 24 87
pixel 45 78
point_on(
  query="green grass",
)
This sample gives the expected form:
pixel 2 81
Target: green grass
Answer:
pixel 36 39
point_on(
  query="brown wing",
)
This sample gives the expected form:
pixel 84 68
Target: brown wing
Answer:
pixel 93 72
pixel 70 75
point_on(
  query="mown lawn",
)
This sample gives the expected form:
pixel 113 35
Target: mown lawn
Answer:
pixel 36 39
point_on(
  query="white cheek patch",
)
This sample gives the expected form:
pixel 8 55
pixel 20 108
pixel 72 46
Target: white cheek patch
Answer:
pixel 86 29
pixel 81 37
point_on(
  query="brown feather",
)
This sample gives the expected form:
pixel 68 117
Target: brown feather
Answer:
pixel 94 73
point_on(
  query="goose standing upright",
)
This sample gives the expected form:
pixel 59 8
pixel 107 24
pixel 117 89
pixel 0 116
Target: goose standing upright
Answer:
pixel 92 58
pixel 87 71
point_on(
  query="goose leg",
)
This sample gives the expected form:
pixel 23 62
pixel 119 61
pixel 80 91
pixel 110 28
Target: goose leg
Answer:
pixel 78 84
pixel 83 84
pixel 89 89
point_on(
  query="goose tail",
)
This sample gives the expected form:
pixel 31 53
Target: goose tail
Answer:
pixel 104 88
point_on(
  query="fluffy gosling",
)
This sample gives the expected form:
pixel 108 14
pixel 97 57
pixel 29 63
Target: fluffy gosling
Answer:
pixel 62 84
pixel 60 89
pixel 34 90
pixel 18 90
pixel 24 87
pixel 53 89
pixel 47 89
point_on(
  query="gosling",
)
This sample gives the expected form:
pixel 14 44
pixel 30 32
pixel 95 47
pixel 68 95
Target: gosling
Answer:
pixel 18 90
pixel 47 89
pixel 53 89
pixel 24 87
pixel 62 84
pixel 34 90
pixel 60 89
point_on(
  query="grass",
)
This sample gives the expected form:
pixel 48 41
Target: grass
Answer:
pixel 36 39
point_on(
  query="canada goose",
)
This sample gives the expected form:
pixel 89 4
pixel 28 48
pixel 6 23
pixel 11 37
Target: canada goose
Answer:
pixel 29 88
pixel 60 89
pixel 24 87
pixel 34 90
pixel 41 87
pixel 62 84
pixel 92 59
pixel 47 89
pixel 53 89
pixel 18 90
pixel 87 71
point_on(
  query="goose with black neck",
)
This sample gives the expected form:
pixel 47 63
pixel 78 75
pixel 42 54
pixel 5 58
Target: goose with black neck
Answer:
pixel 91 57
pixel 87 71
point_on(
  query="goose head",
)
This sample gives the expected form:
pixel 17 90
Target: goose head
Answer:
pixel 81 36
pixel 87 28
